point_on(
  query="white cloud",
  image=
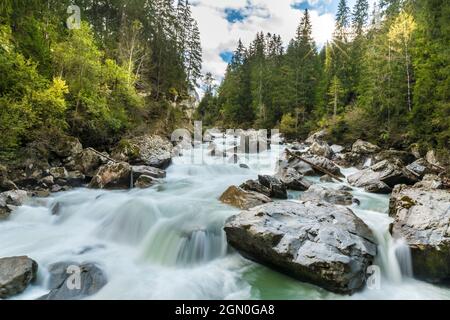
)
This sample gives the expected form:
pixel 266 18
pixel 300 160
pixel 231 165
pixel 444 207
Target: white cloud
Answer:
pixel 275 16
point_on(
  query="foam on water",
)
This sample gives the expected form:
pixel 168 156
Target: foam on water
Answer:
pixel 167 242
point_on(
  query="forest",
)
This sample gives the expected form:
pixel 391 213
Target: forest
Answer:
pixel 384 77
pixel 116 74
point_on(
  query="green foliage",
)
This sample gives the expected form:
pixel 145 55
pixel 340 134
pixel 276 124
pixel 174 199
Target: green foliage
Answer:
pixel 98 82
pixel 28 101
pixel 288 125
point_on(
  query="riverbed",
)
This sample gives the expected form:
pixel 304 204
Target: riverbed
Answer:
pixel 167 242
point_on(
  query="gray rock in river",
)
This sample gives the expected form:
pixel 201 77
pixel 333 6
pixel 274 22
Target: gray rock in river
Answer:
pixel 422 167
pixel 89 161
pixel 422 218
pixel 148 171
pixel 293 179
pixel 393 155
pixel 276 187
pixel 150 150
pixel 431 181
pixel 9 200
pixel 256 186
pixel 319 193
pixel 5 183
pixel 325 164
pixel 322 244
pixel 306 169
pixel 390 173
pixel 321 148
pixel 16 273
pixel 243 199
pixel 145 181
pixel 112 176
pixel 318 136
pixel 364 147
pixel 63 285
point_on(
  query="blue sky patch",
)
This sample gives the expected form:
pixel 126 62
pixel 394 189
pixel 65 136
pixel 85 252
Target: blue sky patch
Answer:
pixel 322 6
pixel 234 15
pixel 226 56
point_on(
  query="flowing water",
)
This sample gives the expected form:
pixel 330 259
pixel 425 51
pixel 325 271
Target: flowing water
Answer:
pixel 167 242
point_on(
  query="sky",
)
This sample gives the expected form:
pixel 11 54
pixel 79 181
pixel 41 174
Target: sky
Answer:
pixel 223 22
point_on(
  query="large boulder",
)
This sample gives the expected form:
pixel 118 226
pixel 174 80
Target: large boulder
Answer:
pixel 301 167
pixel 378 187
pixel 422 219
pixel 63 286
pixel 319 193
pixel 322 244
pixel 431 181
pixel 150 150
pixel 5 183
pixel 292 179
pixel 148 171
pixel 357 160
pixel 114 175
pixel 393 155
pixel 320 148
pixel 66 146
pixel 433 158
pixel 364 147
pixel 390 173
pixel 58 173
pixel 10 200
pixel 306 169
pixel 243 199
pixel 145 181
pixel 89 161
pixel 422 167
pixel 325 164
pixel 277 188
pixel 28 178
pixel 256 186
pixel 62 177
pixel 318 136
pixel 16 273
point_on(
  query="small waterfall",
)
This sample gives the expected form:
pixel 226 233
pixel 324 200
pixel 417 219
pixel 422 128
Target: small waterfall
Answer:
pixel 403 256
pixel 176 243
pixel 394 257
pixel 131 179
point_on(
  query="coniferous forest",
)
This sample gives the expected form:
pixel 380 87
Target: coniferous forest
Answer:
pixel 384 77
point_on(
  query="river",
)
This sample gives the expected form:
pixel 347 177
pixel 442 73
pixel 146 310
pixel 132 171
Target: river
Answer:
pixel 167 242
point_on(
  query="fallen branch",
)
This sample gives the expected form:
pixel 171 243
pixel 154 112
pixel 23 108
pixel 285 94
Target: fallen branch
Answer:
pixel 102 155
pixel 314 166
pixel 412 172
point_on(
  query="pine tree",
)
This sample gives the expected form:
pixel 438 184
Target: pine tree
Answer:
pixel 360 17
pixel 306 72
pixel 194 56
pixel 342 21
pixel 335 94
